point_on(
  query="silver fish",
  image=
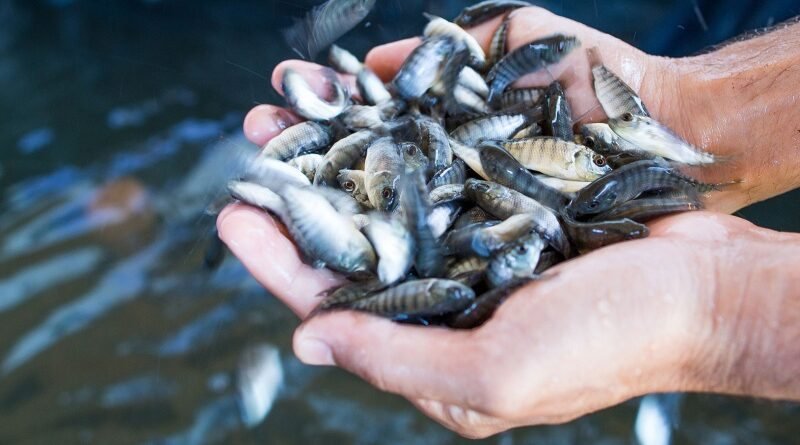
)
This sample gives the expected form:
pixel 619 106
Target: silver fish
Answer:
pixel 616 97
pixel 393 244
pixel 655 138
pixel 352 182
pixel 421 69
pixel 383 167
pixel 307 164
pixel 438 26
pixel 497 127
pixel 344 61
pixel 558 158
pixel 299 139
pixel 324 24
pixel 516 261
pixel 371 87
pixel 302 99
pixel 343 154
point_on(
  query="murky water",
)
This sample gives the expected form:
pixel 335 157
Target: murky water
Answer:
pixel 119 122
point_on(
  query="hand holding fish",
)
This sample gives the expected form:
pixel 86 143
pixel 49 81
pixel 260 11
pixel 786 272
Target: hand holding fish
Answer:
pixel 704 304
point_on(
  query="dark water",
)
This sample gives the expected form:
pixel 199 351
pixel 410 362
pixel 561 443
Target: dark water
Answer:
pixel 119 122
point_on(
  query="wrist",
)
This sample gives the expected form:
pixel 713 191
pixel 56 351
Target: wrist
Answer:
pixel 749 340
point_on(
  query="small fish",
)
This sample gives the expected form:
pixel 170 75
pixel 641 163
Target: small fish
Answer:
pixel 414 157
pixel 485 239
pixel 526 59
pixel 371 87
pixel 602 140
pixel 343 154
pixel 297 140
pixel 468 100
pixel 336 244
pixel 645 209
pixel 302 99
pixel 562 185
pixel 497 127
pixel 393 244
pixel 499 43
pixel 273 173
pixel 472 216
pixel 655 138
pixel 522 97
pixel 344 61
pixel 456 173
pixel 421 69
pixel 447 193
pixel 426 297
pixel 486 10
pixel 348 293
pixel 470 156
pixel 352 182
pixel 258 196
pixel 616 97
pixel 428 260
pixel 515 262
pixel 343 202
pixel 628 182
pixel 469 270
pixel 559 114
pixel 436 143
pixel 503 168
pixel 558 158
pixel 438 26
pixel 383 167
pixel 324 24
pixel 484 306
pixel 589 236
pixel 503 202
pixel 443 215
pixel 307 164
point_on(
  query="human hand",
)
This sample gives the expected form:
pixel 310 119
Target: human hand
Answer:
pixel 574 343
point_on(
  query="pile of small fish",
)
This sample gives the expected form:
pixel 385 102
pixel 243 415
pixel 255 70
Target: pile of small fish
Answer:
pixel 441 192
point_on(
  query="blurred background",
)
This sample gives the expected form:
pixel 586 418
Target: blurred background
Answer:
pixel 119 124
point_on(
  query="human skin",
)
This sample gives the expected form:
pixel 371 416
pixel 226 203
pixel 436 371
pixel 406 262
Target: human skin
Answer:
pixel 708 302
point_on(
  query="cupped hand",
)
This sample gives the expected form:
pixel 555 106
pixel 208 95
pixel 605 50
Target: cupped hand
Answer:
pixel 622 321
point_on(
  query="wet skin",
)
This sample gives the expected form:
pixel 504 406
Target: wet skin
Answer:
pixel 708 303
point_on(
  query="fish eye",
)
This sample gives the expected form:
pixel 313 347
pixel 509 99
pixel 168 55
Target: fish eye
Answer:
pixel 599 161
pixel 561 46
pixel 588 141
pixel 387 193
pixel 522 249
pixel 411 149
pixel 594 204
pixel 349 186
pixel 627 117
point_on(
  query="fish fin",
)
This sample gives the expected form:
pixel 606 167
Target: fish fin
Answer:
pixel 430 16
pixel 296 36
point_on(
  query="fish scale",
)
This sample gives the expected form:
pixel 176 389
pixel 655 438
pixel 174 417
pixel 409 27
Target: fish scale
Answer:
pixel 616 97
pixel 433 296
pixel 556 157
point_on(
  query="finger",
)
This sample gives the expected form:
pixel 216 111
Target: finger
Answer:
pixel 317 76
pixel 257 240
pixel 416 362
pixel 264 122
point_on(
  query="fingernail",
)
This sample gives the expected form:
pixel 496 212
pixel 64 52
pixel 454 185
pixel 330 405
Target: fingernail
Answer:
pixel 313 351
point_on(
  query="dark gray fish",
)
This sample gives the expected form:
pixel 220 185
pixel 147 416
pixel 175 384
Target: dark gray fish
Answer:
pixel 371 87
pixel 502 168
pixel 428 259
pixel 484 306
pixel 483 239
pixel 426 297
pixel 589 236
pixel 517 261
pixel 547 259
pixel 628 182
pixel 485 11
pixel 324 24
pixel 559 114
pixel 343 154
pixel 645 209
pixel 421 69
pixel 503 202
pixel 527 59
pixel 436 143
pixel 456 173
pixel 348 293
pixel 299 139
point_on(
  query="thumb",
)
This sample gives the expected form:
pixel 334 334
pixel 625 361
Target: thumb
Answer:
pixel 413 361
